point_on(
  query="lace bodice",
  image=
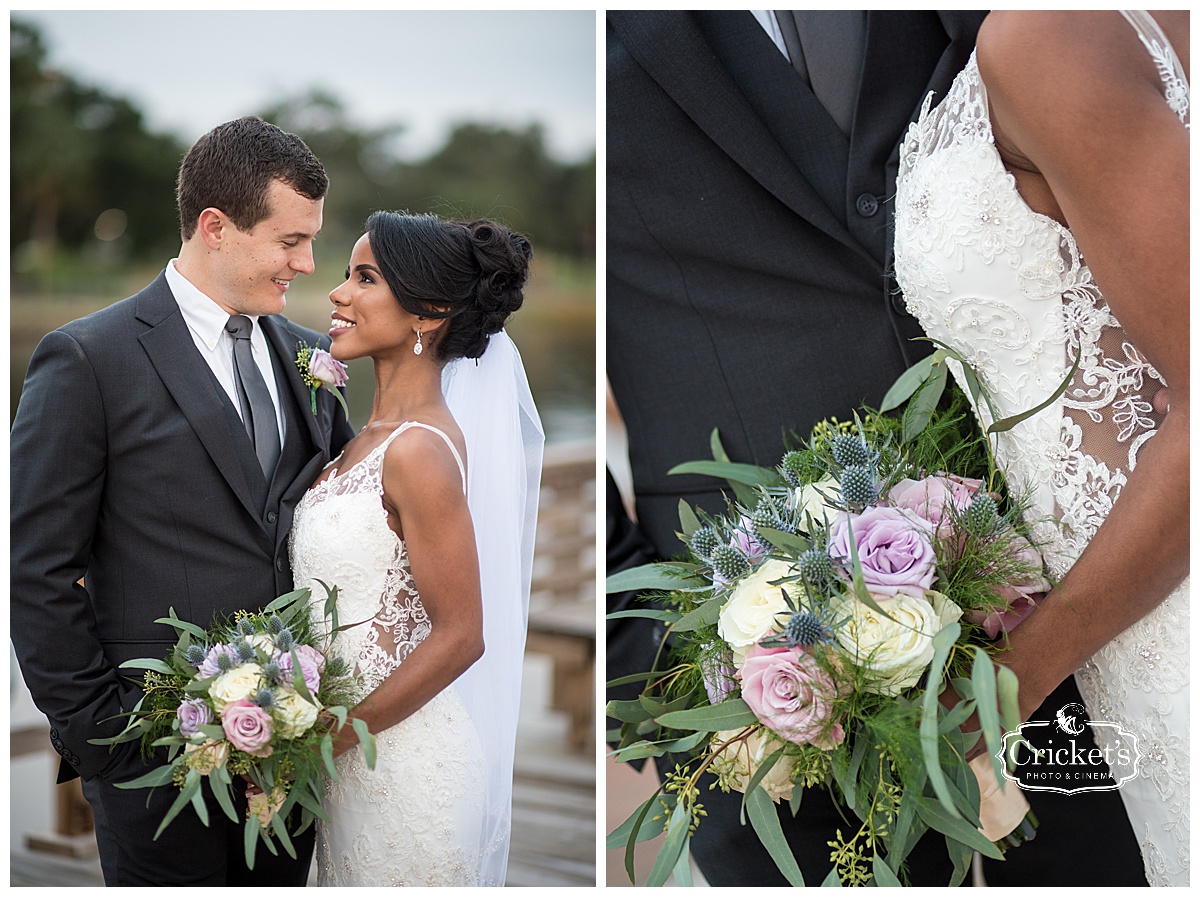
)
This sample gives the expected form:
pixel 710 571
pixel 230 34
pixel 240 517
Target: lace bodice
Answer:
pixel 1009 290
pixel 341 537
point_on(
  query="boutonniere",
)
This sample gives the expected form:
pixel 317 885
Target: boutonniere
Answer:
pixel 318 368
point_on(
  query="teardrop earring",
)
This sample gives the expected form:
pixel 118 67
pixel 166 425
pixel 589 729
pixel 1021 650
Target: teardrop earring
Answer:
pixel 418 348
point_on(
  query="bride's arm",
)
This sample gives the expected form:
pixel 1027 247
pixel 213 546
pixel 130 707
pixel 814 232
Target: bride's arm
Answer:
pixel 1078 96
pixel 421 480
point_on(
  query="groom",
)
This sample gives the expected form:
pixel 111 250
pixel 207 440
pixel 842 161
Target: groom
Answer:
pixel 752 161
pixel 159 449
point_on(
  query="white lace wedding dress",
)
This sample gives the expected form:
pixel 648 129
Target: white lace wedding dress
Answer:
pixel 418 817
pixel 1009 290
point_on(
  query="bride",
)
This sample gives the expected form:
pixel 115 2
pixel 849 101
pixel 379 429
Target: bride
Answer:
pixel 1042 213
pixel 425 525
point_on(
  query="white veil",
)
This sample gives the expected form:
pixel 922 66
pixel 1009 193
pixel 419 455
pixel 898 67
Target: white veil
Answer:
pixel 491 402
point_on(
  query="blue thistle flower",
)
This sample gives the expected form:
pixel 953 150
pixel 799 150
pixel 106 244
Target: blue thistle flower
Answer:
pixel 245 627
pixel 195 655
pixel 224 662
pixel 244 651
pixel 850 451
pixel 858 486
pixel 791 467
pixel 770 515
pixel 804 630
pixel 265 698
pixel 274 625
pixel 704 542
pixel 729 562
pixel 285 640
pixel 981 516
pixel 273 672
pixel 816 567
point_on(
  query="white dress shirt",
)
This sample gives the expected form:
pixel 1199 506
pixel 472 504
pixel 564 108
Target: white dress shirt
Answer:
pixel 206 320
pixel 766 18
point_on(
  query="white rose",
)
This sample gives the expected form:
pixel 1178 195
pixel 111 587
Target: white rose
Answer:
pixel 207 756
pixel 293 715
pixel 900 649
pixel 263 643
pixel 738 763
pixel 240 682
pixel 811 503
pixel 756 607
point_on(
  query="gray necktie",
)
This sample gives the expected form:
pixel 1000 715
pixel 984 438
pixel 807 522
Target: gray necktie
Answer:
pixel 258 411
pixel 826 48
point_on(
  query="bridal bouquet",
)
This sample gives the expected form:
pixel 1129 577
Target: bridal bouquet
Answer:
pixel 814 625
pixel 259 696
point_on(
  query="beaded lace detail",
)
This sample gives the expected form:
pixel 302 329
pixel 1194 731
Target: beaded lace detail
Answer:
pixel 416 818
pixel 1008 289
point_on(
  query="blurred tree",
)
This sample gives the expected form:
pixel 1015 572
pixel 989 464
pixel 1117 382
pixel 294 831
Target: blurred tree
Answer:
pixel 76 152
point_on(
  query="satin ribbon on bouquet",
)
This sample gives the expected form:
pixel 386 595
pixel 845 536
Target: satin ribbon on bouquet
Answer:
pixel 1005 816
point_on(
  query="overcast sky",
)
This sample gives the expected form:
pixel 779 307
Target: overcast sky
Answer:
pixel 188 71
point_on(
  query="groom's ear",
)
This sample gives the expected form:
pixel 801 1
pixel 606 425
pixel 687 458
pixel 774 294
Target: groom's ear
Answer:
pixel 210 227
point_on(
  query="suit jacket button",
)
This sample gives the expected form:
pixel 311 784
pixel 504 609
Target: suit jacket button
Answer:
pixel 279 564
pixel 272 516
pixel 867 205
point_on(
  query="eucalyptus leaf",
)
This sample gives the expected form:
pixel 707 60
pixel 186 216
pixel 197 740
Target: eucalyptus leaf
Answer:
pixel 1009 422
pixel 181 625
pixel 983 676
pixel 943 642
pixel 649 577
pixel 765 819
pixel 190 787
pixel 733 472
pixel 280 830
pixel 921 407
pixel 731 714
pixel 906 384
pixel 884 876
pixel 221 789
pixel 627 711
pixel 673 845
pixel 688 520
pixel 1010 710
pixel 152 779
pixel 683 868
pixel 937 818
pixel 759 774
pixel 148 663
pixel 366 739
pixel 784 541
pixel 832 880
pixel 644 614
pixel 250 839
pixel 706 614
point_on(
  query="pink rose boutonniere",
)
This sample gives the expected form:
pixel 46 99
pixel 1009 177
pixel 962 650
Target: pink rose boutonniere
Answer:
pixel 318 368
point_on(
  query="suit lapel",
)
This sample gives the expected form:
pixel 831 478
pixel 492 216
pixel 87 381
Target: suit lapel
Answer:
pixel 285 345
pixel 169 346
pixel 673 51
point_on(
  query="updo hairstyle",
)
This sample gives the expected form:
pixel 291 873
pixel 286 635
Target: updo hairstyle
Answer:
pixel 471 272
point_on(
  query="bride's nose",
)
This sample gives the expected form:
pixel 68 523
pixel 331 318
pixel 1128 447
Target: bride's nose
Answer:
pixel 337 296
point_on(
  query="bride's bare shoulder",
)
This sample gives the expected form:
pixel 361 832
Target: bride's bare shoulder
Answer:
pixel 1071 56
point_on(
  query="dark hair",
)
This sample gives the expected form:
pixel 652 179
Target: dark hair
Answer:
pixel 231 167
pixel 472 272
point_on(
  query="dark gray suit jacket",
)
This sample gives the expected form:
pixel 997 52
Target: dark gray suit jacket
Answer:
pixel 131 470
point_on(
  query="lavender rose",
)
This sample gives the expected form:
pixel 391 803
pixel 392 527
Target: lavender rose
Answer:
pixel 894 547
pixel 791 695
pixel 208 667
pixel 327 369
pixel 193 713
pixel 248 728
pixel 717 673
pixel 745 541
pixel 312 665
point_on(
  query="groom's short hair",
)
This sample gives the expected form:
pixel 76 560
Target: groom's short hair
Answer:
pixel 231 168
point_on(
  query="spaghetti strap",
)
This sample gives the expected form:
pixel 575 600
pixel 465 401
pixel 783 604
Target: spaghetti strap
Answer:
pixel 1170 69
pixel 409 424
